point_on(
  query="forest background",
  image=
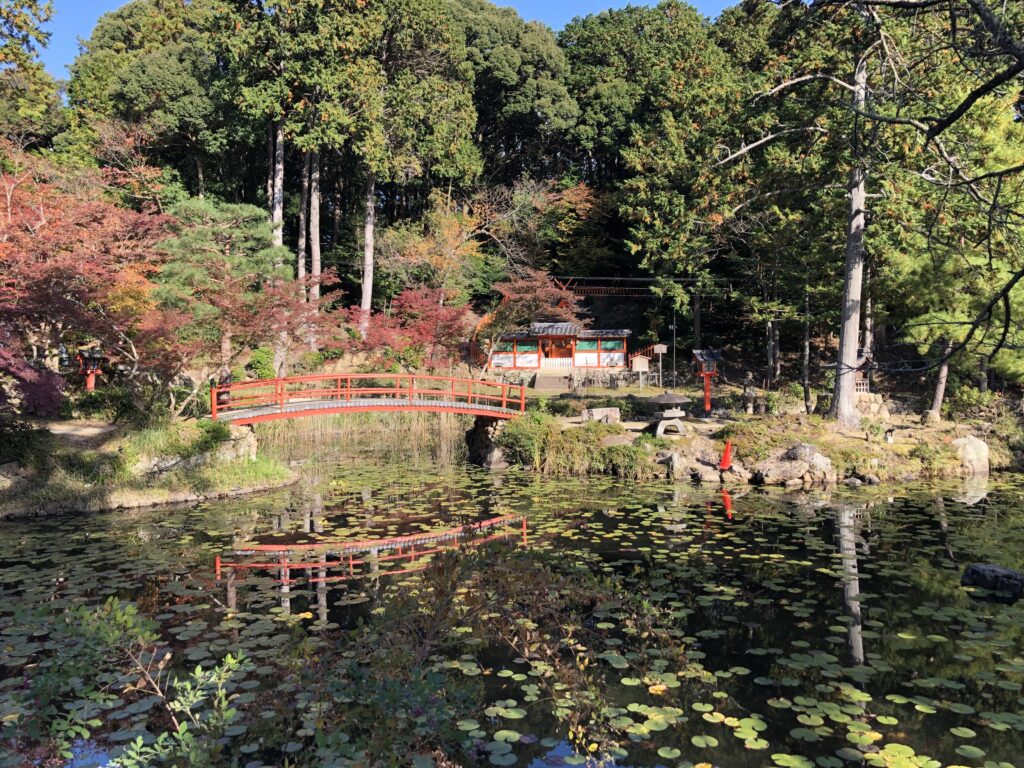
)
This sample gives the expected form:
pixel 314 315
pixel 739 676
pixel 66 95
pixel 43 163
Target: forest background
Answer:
pixel 284 181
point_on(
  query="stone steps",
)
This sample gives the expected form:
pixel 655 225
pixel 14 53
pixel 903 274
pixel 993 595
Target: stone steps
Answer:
pixel 551 382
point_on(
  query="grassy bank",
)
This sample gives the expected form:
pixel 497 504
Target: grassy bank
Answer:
pixel 169 464
pixel 917 451
pixel 553 445
pixel 541 441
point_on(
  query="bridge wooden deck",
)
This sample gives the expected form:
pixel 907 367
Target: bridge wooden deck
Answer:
pixel 251 402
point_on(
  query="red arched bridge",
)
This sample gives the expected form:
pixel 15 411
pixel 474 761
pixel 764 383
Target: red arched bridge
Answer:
pixel 249 402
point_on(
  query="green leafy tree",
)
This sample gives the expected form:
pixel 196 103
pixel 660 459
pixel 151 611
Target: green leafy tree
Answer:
pixel 224 274
pixel 21 31
pixel 524 109
pixel 425 118
pixel 30 103
pixel 832 120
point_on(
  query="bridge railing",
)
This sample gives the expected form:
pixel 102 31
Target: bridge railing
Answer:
pixel 348 387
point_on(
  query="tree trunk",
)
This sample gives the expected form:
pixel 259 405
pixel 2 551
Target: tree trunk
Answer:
pixel 270 166
pixel 277 220
pixel 368 230
pixel 314 227
pixel 769 349
pixel 200 178
pixel 776 352
pixel 845 522
pixel 225 358
pixel 805 365
pixel 940 382
pixel 844 399
pixel 300 256
pixel 983 374
pixel 697 321
pixel 336 213
pixel 277 200
pixel 869 315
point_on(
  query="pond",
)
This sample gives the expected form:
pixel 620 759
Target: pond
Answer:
pixel 388 614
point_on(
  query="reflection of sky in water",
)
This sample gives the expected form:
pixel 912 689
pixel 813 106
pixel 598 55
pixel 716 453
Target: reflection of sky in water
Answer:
pixel 555 757
pixel 85 754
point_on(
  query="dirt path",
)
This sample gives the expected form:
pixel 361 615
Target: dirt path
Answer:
pixel 84 434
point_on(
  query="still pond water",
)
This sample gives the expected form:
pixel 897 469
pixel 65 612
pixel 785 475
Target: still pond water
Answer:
pixel 586 621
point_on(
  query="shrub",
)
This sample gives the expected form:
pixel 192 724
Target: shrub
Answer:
pixel 261 363
pixel 930 456
pixel 773 403
pixel 524 439
pixel 652 442
pixel 185 439
pixel 110 402
pixel 310 362
pixel 565 406
pixel 538 441
pixel 22 443
pixel 539 405
pixel 630 462
pixel 576 452
pixel 969 402
pixel 630 407
pixel 874 428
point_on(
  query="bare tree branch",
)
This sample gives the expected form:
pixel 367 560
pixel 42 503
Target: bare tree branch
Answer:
pixel 764 140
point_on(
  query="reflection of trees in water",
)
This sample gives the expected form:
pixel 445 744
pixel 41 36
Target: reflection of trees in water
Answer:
pixel 847 519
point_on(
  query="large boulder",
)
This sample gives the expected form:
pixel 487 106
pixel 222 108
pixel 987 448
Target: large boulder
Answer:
pixel 780 471
pixel 995 578
pixel 802 464
pixel 801 452
pixel 737 473
pixel 974 455
pixel 602 415
pixel 482 444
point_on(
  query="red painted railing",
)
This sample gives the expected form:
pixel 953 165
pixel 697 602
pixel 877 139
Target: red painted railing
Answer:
pixel 647 351
pixel 389 391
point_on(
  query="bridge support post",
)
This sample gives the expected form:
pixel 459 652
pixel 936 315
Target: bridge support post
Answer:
pixel 482 443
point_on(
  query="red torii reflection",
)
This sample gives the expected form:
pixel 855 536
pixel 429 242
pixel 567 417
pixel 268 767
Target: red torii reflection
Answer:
pixel 352 556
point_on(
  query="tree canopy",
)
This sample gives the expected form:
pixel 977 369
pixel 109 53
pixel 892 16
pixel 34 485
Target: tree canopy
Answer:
pixel 798 175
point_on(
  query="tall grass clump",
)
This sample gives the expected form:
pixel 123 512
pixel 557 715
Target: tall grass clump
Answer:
pixel 539 442
pixel 439 438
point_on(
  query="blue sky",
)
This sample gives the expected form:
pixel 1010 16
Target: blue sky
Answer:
pixel 76 18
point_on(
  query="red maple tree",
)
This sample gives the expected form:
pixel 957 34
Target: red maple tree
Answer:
pixel 74 267
pixel 417 332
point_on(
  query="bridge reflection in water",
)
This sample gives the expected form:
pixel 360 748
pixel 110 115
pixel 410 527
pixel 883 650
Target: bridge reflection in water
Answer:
pixel 319 563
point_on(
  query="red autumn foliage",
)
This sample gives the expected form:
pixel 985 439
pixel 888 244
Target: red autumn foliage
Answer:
pixel 25 388
pixel 532 297
pixel 73 266
pixel 417 332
